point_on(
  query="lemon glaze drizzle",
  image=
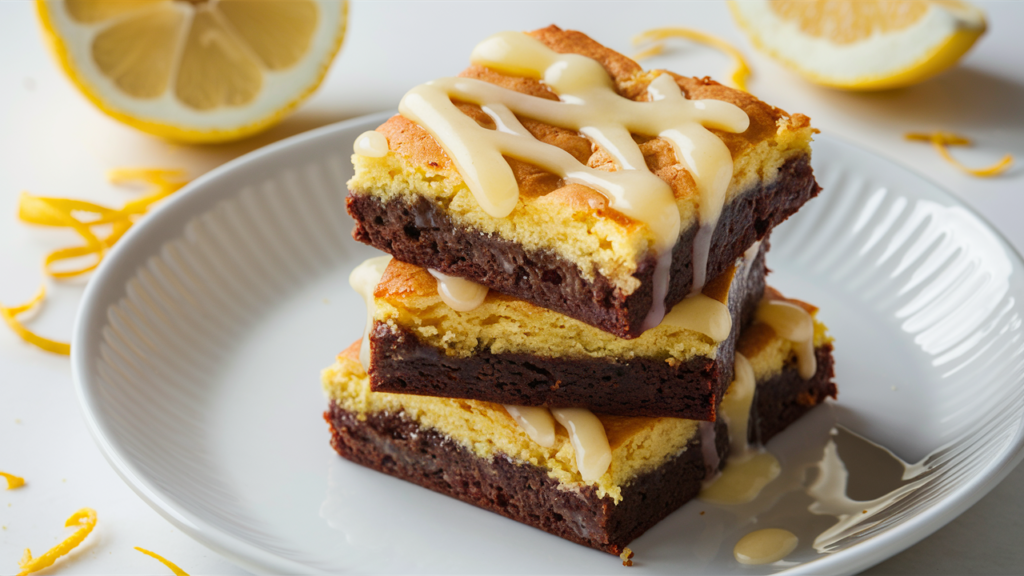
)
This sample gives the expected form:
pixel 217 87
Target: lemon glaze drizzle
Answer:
pixel 793 323
pixel 459 294
pixel 765 546
pixel 588 103
pixel 364 280
pixel 749 468
pixel 536 421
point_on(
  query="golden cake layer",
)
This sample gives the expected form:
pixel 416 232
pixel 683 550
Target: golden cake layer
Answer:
pixel 407 298
pixel 638 444
pixel 572 220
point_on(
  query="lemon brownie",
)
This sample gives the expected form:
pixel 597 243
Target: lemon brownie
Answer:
pixel 560 172
pixel 477 452
pixel 510 351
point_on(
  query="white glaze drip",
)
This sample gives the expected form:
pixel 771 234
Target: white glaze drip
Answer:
pixel 806 359
pixel 795 324
pixel 701 252
pixel 702 314
pixel 749 255
pixel 735 407
pixel 372 144
pixel 742 479
pixel 765 546
pixel 364 280
pixel 829 493
pixel 748 470
pixel 588 103
pixel 536 421
pixel 460 294
pixel 589 441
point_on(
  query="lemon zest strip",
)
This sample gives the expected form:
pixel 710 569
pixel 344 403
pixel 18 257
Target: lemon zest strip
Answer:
pixel 947 138
pixel 85 519
pixel 653 50
pixel 10 314
pixel 13 481
pixel 174 567
pixel 61 212
pixel 741 70
pixel 940 140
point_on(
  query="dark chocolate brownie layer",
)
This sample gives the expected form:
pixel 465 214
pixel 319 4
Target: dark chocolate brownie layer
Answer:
pixel 396 445
pixel 421 233
pixel 786 397
pixel 402 363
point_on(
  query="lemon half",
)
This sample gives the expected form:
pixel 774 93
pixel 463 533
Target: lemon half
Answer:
pixel 862 44
pixel 195 70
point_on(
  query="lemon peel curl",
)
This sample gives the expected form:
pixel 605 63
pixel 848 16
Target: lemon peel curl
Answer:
pixel 171 565
pixel 68 213
pixel 941 140
pixel 741 70
pixel 10 316
pixel 85 519
pixel 13 481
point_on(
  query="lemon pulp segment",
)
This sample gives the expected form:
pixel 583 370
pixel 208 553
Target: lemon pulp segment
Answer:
pixel 195 70
pixel 862 44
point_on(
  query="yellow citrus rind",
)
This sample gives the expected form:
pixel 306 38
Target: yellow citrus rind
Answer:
pixel 61 212
pixel 935 61
pixel 170 565
pixel 940 140
pixel 84 519
pixel 740 71
pixel 12 480
pixel 172 131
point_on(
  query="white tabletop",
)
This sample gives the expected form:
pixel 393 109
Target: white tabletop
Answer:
pixel 54 142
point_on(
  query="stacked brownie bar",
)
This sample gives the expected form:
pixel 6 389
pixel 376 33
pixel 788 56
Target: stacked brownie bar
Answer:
pixel 578 278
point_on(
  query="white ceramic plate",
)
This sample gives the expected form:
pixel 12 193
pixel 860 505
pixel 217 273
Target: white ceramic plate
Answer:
pixel 197 353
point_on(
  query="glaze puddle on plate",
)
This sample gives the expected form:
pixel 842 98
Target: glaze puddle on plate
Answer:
pixel 199 344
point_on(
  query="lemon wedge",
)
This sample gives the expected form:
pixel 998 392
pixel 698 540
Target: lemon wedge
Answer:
pixel 195 70
pixel 862 44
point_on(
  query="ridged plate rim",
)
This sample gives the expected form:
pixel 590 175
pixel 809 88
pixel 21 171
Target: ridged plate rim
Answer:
pixel 145 240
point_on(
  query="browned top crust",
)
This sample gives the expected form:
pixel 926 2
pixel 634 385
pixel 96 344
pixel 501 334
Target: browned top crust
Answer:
pixel 407 139
pixel 352 352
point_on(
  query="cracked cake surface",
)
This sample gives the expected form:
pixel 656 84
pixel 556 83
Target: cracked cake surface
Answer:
pixel 563 246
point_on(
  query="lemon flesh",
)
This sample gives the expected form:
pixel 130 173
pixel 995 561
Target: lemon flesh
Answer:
pixel 862 44
pixel 195 70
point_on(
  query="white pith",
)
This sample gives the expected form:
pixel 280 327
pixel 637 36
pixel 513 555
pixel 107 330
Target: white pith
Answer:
pixel 278 89
pixel 879 55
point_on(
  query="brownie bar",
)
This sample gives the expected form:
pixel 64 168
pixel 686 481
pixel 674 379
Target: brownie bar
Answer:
pixel 638 386
pixel 394 444
pixel 421 233
pixel 786 397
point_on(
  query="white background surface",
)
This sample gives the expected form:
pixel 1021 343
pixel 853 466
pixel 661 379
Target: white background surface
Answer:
pixel 53 142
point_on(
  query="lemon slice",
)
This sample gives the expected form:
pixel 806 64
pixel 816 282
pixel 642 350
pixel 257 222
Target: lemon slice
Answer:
pixel 862 44
pixel 195 70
